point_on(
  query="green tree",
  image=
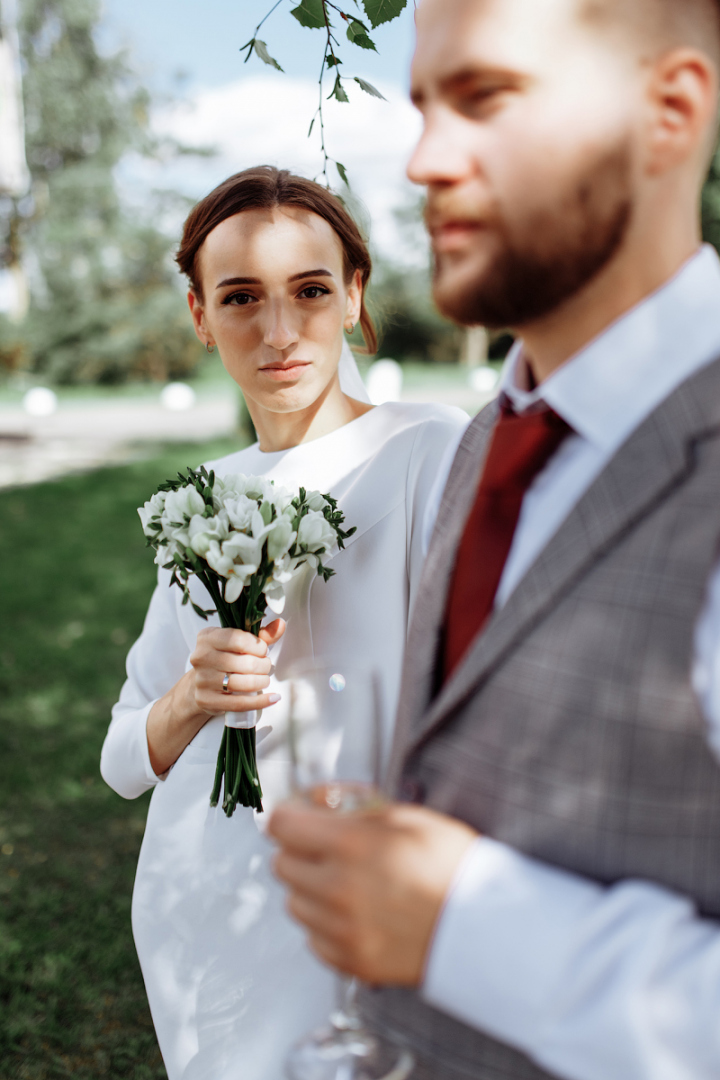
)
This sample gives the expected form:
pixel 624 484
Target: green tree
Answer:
pixel 105 304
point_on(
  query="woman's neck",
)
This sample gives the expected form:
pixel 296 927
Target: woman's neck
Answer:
pixel 281 431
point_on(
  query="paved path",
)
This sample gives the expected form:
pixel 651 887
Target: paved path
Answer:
pixel 86 435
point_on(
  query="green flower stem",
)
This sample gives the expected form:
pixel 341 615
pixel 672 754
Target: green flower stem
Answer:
pixel 219 772
pixel 237 757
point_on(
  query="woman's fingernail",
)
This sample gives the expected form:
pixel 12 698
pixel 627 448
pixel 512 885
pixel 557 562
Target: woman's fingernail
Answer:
pixel 273 698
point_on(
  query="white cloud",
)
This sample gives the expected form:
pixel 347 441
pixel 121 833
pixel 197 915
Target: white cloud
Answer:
pixel 261 120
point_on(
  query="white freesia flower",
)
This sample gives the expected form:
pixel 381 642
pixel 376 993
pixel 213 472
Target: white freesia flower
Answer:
pixel 202 531
pixel 244 550
pixel 255 487
pixel 153 508
pixel 280 538
pixel 236 582
pixel 316 532
pixel 275 597
pixel 172 547
pixel 182 504
pixel 240 510
pixel 217 560
pixel 316 501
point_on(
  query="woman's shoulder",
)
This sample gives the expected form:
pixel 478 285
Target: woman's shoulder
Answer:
pixel 434 422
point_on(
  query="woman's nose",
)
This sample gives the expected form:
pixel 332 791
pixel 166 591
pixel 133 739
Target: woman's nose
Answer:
pixel 280 331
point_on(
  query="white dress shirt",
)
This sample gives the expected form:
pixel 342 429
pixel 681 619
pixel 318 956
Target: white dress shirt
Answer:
pixel 594 983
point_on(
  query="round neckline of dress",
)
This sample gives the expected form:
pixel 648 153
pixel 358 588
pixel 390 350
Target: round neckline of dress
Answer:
pixel 267 454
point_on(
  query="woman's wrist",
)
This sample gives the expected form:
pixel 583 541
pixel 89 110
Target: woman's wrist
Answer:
pixel 172 723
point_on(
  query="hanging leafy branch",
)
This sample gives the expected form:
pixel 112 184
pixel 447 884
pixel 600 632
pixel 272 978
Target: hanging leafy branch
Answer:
pixel 319 15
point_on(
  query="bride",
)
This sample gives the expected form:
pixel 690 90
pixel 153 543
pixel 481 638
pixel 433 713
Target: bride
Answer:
pixel 277 271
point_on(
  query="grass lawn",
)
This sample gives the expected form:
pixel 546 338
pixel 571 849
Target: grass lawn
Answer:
pixel 75 579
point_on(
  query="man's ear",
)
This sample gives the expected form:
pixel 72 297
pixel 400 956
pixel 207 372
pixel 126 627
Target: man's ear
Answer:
pixel 683 98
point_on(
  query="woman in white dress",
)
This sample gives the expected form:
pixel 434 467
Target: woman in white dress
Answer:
pixel 277 272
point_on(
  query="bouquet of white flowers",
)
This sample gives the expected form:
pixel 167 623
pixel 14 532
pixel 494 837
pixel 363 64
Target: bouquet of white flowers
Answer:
pixel 244 539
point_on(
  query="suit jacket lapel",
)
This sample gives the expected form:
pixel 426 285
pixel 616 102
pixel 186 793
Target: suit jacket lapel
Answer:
pixel 427 617
pixel 654 459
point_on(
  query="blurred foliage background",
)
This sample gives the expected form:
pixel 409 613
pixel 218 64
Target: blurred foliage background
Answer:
pixel 105 300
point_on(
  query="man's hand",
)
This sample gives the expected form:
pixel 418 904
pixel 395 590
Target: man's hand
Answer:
pixel 369 886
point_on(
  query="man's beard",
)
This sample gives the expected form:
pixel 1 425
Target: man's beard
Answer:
pixel 561 248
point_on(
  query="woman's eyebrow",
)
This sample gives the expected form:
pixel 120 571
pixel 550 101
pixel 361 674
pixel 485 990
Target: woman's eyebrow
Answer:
pixel 256 281
pixel 239 281
pixel 310 273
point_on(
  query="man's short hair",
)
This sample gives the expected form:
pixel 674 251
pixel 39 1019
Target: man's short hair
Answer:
pixel 659 24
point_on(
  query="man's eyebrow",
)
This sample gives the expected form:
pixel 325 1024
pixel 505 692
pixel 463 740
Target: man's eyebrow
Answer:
pixel 472 78
pixel 256 281
pixel 482 76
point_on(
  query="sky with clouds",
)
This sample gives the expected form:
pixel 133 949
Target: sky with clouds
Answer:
pixel 188 54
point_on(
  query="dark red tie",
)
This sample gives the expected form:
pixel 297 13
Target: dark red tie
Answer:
pixel 519 449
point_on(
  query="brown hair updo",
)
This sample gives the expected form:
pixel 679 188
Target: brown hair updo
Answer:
pixel 263 188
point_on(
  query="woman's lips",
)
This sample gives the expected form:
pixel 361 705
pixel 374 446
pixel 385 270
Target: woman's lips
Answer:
pixel 285 372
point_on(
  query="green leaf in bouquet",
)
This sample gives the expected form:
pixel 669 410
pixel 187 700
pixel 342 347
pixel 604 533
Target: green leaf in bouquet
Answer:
pixel 202 613
pixel 310 13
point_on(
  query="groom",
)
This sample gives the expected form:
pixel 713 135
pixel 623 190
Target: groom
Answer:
pixel 544 898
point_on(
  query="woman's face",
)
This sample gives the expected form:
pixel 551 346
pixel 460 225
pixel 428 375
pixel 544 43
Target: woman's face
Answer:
pixel 275 303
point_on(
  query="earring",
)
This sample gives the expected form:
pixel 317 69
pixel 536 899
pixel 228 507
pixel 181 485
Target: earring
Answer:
pixel 350 328
pixel 209 347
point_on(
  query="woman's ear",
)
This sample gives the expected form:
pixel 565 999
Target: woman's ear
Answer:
pixel 354 300
pixel 198 317
pixel 683 100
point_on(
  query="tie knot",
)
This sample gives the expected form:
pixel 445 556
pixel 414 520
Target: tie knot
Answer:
pixel 522 444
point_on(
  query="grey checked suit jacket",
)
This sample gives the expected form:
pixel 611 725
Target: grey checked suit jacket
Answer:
pixel 570 730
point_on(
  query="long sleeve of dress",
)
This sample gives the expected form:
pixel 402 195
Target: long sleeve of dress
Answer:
pixel 154 664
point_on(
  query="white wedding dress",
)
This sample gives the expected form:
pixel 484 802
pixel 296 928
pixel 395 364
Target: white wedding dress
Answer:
pixel 230 981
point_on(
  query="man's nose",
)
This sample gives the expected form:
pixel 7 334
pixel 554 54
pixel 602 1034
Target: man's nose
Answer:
pixel 441 156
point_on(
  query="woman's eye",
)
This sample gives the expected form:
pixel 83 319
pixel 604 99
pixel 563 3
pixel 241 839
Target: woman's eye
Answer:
pixel 313 291
pixel 239 299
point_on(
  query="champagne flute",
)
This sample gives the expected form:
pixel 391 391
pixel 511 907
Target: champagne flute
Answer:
pixel 335 736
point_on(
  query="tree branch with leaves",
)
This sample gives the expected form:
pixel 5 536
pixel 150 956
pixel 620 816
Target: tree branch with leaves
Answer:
pixel 324 15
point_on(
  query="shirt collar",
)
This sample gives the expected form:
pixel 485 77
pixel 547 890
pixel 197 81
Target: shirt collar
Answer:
pixel 607 389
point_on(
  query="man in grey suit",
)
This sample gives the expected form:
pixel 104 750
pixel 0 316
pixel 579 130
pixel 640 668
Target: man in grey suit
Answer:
pixel 543 898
